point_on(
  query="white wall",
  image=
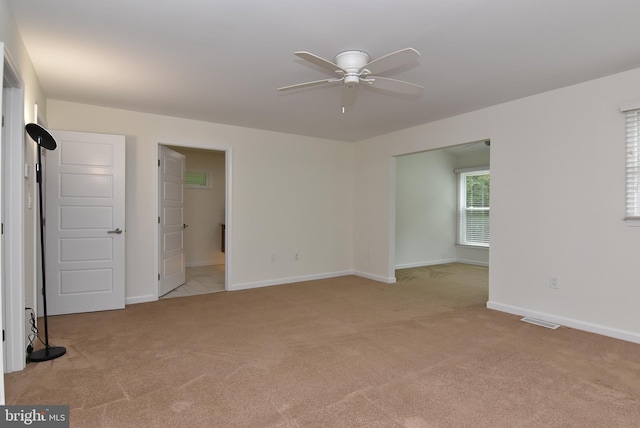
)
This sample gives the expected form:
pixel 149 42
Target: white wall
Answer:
pixel 557 189
pixel 289 194
pixel 425 209
pixel 10 36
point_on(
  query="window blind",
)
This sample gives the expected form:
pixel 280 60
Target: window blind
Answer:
pixel 473 209
pixel 633 164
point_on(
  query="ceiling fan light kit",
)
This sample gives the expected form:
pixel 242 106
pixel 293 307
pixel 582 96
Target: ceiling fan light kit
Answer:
pixel 355 66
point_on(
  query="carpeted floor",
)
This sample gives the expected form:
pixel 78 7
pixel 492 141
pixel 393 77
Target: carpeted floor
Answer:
pixel 342 352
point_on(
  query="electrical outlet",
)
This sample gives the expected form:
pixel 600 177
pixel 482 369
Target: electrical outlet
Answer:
pixel 554 283
pixel 296 257
pixel 273 258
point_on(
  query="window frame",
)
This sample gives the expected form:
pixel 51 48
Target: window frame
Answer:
pixel 632 164
pixel 206 174
pixel 462 238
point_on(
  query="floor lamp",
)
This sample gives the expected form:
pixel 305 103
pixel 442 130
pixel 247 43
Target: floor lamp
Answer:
pixel 45 140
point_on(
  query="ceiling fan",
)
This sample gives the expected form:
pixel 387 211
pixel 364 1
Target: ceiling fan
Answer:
pixel 356 67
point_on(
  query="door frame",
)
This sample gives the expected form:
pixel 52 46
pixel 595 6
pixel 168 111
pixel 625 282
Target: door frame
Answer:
pixel 13 178
pixel 228 259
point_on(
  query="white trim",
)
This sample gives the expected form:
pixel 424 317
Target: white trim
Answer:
pixel 567 322
pixel 631 106
pixel 441 262
pixel 290 280
pixel 389 280
pixel 15 233
pixel 632 209
pixel 13 173
pixel 228 150
pixel 632 221
pixel 463 237
pixel 473 247
pixel 392 206
pixel 472 262
pixel 228 209
pixel 425 263
pixel 140 299
pixel 472 169
pixel 3 351
pixel 14 78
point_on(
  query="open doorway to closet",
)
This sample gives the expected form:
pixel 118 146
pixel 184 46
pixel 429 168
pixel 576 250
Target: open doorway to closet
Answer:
pixel 203 222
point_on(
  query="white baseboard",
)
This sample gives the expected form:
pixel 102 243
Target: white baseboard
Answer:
pixel 472 262
pixel 140 299
pixel 378 278
pixel 440 262
pixel 567 322
pixel 281 281
pixel 425 263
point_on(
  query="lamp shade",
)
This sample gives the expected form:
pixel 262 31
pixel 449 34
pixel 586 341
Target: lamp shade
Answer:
pixel 41 136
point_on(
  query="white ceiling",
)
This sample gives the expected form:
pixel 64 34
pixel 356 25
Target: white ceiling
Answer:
pixel 221 61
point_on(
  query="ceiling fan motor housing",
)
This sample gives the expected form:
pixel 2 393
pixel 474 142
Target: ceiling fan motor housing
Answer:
pixel 352 62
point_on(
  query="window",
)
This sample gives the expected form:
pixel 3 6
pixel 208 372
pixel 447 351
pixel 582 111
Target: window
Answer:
pixel 473 207
pixel 197 179
pixel 633 165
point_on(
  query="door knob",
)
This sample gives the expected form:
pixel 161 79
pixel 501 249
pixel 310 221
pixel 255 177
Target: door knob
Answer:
pixel 117 231
pixel 184 226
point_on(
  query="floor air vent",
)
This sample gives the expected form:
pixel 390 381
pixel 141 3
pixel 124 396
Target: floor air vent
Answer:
pixel 541 323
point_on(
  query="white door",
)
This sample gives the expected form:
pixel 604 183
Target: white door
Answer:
pixel 171 221
pixel 84 227
pixel 2 203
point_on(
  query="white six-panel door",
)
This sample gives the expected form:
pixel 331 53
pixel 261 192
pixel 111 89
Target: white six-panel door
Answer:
pixel 85 223
pixel 171 197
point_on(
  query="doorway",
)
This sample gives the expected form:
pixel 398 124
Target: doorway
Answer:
pixel 426 203
pixel 206 197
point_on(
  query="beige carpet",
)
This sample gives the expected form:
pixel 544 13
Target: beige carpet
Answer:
pixel 344 352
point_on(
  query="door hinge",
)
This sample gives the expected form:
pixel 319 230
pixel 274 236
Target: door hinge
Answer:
pixel 158 162
pixel 158 277
pixel 3 335
pixel 158 219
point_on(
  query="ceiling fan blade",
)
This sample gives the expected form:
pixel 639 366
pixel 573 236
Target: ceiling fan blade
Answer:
pixel 392 60
pixel 395 85
pixel 308 84
pixel 349 92
pixel 315 59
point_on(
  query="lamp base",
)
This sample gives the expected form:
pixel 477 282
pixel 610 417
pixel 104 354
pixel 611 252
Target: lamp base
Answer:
pixel 46 354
